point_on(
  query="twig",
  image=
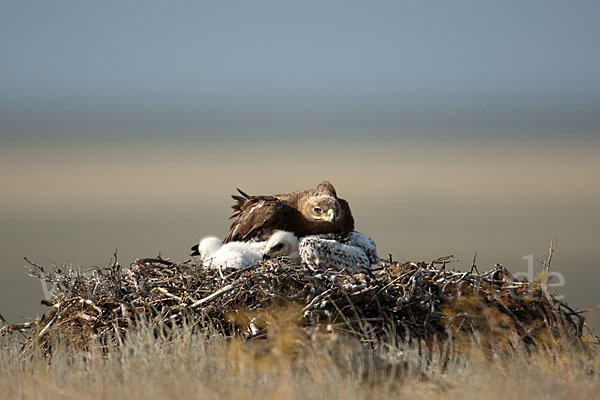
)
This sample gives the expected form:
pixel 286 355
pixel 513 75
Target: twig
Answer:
pixel 474 266
pixel 549 257
pixel 115 259
pixel 314 301
pixel 239 271
pixel 48 325
pixel 169 295
pixel 218 293
pixel 33 264
pixel 546 263
pixel 140 261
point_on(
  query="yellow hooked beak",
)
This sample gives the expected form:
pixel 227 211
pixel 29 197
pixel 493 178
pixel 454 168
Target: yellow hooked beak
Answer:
pixel 272 253
pixel 329 217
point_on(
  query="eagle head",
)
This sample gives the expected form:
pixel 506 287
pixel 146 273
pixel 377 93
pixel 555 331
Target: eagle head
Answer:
pixel 207 247
pixel 281 243
pixel 322 208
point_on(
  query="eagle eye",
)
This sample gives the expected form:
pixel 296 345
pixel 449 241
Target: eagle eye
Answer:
pixel 278 246
pixel 317 210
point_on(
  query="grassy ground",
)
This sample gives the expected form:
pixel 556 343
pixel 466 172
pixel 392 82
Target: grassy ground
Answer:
pixel 187 365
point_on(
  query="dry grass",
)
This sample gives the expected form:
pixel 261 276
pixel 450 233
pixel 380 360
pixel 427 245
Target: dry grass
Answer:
pixel 184 364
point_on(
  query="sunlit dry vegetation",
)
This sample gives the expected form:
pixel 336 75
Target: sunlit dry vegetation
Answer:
pixel 185 364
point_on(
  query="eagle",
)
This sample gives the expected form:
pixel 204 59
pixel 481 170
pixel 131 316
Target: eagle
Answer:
pixel 214 253
pixel 351 251
pixel 303 212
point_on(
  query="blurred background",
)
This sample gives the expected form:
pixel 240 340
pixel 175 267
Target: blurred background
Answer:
pixel 450 127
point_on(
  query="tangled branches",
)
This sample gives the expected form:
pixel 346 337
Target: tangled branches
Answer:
pixel 422 301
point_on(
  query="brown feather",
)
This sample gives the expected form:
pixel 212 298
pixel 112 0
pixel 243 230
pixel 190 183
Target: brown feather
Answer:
pixel 243 193
pixel 326 187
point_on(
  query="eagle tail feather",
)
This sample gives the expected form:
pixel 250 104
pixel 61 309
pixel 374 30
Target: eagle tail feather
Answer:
pixel 246 195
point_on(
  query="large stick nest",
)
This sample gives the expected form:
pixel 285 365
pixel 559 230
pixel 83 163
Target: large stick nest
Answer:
pixel 426 301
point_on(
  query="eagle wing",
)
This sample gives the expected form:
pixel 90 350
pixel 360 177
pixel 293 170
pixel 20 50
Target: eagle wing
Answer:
pixel 347 221
pixel 254 216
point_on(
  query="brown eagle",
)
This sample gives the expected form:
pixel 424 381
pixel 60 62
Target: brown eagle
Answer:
pixel 304 212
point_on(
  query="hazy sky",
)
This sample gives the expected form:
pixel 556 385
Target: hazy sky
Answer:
pixel 70 67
